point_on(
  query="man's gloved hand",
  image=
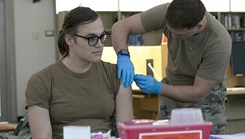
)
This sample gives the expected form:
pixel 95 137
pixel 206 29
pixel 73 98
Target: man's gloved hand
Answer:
pixel 125 69
pixel 148 84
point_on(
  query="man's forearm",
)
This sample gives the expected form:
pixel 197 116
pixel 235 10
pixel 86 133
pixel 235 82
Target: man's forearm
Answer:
pixel 119 37
pixel 191 94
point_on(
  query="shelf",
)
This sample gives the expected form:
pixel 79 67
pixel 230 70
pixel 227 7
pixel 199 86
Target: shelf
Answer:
pixel 241 29
pixel 108 18
pixel 236 91
pixel 149 38
pixel 234 22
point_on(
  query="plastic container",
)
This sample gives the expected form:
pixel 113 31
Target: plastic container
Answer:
pixel 179 127
pixel 186 116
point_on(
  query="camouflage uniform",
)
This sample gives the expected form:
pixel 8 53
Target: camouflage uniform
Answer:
pixel 213 108
pixel 22 130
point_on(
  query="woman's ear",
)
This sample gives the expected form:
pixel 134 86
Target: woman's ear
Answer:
pixel 199 26
pixel 69 39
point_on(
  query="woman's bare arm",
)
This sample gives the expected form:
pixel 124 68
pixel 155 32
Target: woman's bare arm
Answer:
pixel 39 122
pixel 124 104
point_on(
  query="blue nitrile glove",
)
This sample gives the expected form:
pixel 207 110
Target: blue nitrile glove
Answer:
pixel 148 84
pixel 125 69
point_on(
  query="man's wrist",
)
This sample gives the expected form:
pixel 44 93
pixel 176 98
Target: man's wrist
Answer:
pixel 159 88
pixel 120 55
pixel 124 52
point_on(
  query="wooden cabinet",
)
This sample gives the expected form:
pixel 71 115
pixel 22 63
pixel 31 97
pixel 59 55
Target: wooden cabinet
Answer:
pixel 139 57
pixel 236 113
pixel 145 106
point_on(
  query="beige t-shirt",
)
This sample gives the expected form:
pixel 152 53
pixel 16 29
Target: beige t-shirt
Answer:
pixel 206 55
pixel 85 99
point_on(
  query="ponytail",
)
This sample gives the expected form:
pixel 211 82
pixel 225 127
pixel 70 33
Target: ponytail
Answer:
pixel 62 45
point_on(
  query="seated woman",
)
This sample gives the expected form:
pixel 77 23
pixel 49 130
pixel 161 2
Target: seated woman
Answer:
pixel 80 89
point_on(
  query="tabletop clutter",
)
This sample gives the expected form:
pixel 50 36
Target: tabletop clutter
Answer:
pixel 184 123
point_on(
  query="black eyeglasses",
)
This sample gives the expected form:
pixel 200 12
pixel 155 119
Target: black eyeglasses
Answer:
pixel 93 40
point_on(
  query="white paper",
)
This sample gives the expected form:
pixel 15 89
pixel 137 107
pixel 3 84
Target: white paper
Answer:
pixel 234 136
pixel 76 132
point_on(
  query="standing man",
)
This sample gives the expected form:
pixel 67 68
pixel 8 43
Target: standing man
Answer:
pixel 199 49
